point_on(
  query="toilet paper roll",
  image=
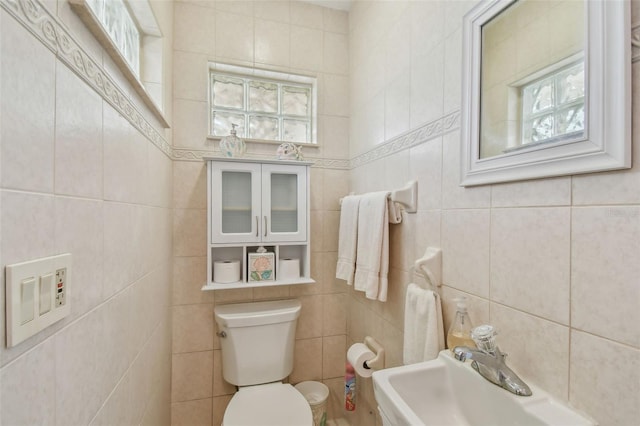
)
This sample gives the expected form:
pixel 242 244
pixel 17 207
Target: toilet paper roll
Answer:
pixel 357 354
pixel 226 271
pixel 289 269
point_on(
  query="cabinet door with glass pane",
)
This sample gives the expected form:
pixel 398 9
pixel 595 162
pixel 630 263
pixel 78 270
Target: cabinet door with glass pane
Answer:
pixel 284 203
pixel 235 202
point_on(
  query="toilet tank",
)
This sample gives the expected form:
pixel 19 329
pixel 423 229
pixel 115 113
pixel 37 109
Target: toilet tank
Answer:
pixel 259 340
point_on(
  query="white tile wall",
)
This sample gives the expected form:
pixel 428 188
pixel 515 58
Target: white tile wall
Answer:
pixel 192 412
pixel 551 262
pixel 192 126
pixel 335 89
pixel 125 160
pixel 268 34
pixel 537 348
pixel 240 46
pixel 30 77
pixel 192 328
pixel 335 53
pixel 427 82
pixel 397 49
pixel 79 230
pixel 396 110
pixel 198 34
pixel 28 229
pixel 34 404
pixel 425 165
pixel 601 385
pixel 79 178
pixel 306 15
pixel 543 192
pixel 455 196
pixel 190 67
pixel 305 44
pixel 287 36
pixel 116 409
pixel 530 260
pixel 78 137
pixel 605 288
pixel 272 10
pixel 466 250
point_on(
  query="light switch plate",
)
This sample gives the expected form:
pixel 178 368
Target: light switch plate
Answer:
pixel 26 284
pixel 27 296
pixel 46 293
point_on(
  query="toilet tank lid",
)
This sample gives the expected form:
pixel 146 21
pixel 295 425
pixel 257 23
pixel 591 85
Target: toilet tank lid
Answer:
pixel 257 313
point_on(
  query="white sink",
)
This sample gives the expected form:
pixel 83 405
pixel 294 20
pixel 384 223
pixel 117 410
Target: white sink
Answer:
pixel 446 391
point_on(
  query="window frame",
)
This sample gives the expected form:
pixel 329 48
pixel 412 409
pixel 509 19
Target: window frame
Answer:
pixel 255 74
pixel 119 38
pixel 143 18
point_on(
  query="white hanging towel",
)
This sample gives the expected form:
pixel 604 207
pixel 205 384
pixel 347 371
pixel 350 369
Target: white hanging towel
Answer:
pixel 375 212
pixel 423 328
pixel 348 238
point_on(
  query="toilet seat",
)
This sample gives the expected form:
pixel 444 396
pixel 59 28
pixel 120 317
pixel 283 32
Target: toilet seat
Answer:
pixel 273 404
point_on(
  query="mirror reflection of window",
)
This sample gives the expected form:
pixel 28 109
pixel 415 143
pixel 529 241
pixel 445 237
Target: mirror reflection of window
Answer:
pixel 532 77
pixel 553 107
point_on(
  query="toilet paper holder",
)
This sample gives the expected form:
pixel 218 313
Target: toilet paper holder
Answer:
pixel 376 363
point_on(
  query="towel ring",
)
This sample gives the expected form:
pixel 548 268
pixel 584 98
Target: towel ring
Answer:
pixel 429 266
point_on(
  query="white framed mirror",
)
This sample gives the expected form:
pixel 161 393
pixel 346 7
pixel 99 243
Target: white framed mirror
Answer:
pixel 546 89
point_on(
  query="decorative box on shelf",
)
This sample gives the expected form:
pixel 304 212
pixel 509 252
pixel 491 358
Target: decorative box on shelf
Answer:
pixel 261 266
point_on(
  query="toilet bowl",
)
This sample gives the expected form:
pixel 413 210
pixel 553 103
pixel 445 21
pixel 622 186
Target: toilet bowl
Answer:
pixel 257 341
pixel 273 404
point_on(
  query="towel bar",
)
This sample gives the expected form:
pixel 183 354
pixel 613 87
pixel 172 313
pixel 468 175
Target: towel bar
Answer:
pixel 407 197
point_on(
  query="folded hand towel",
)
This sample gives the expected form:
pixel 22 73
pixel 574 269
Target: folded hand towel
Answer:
pixel 347 238
pixel 423 329
pixel 372 258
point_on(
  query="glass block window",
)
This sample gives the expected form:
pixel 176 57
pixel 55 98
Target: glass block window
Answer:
pixel 116 20
pixel 553 106
pixel 264 105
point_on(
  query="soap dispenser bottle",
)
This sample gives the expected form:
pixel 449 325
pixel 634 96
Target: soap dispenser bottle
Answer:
pixel 460 331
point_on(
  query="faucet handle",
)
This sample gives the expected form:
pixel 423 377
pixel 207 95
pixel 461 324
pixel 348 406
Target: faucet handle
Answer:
pixel 460 353
pixel 484 337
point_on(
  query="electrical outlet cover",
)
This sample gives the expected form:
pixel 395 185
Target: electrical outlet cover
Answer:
pixel 40 270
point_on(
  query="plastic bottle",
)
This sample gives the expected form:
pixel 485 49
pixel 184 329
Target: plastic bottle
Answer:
pixel 460 331
pixel 350 388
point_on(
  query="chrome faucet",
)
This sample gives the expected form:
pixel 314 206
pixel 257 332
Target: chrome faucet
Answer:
pixel 490 362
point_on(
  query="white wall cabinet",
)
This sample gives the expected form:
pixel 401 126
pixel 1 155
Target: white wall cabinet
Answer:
pixel 252 204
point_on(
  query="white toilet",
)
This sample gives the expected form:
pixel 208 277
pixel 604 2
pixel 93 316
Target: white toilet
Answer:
pixel 257 341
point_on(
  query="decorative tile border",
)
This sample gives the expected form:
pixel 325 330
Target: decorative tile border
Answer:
pixel 198 155
pixel 432 130
pixel 37 19
pixel 330 163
